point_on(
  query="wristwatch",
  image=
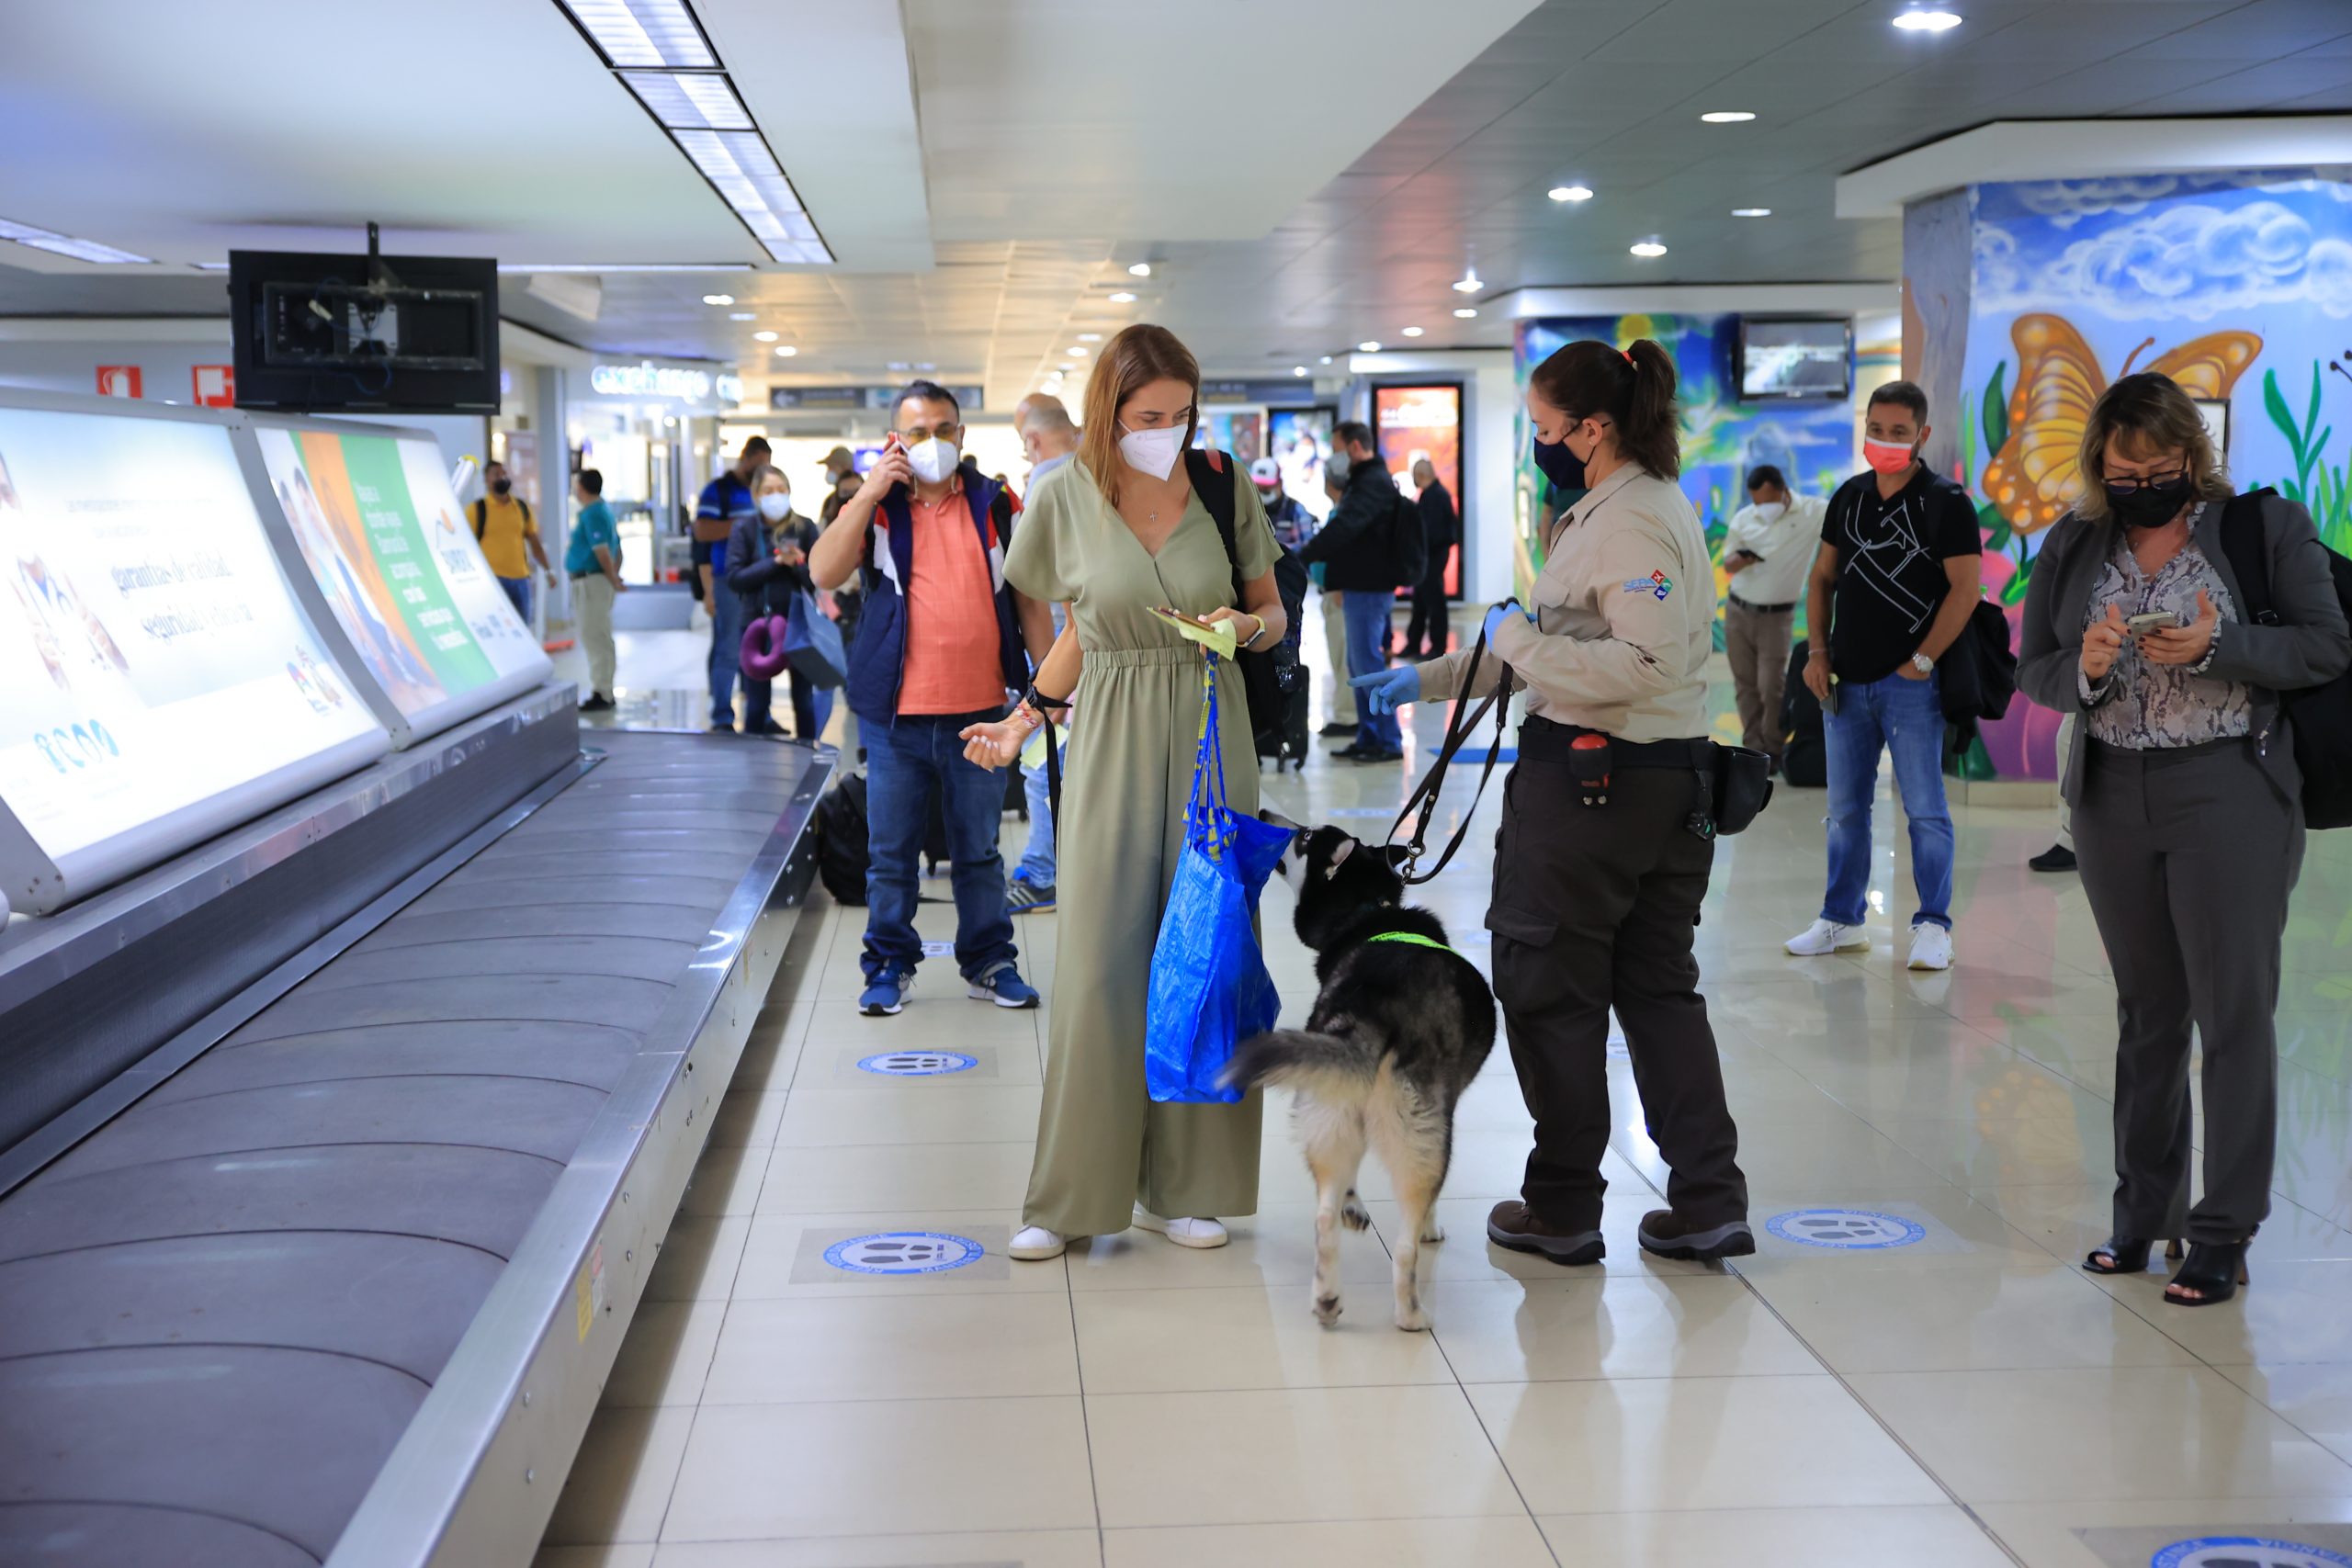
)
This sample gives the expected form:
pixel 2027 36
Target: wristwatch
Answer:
pixel 1922 664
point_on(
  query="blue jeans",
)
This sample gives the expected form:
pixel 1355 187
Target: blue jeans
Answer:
pixel 1036 866
pixel 907 764
pixel 519 593
pixel 726 623
pixel 1905 717
pixel 1366 614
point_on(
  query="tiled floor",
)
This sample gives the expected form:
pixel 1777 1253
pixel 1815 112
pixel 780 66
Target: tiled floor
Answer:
pixel 1968 1398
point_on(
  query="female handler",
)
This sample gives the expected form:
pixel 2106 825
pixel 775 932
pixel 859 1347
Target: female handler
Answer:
pixel 1595 906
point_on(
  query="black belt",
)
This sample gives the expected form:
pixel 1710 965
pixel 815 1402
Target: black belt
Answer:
pixel 1739 603
pixel 2164 756
pixel 1543 740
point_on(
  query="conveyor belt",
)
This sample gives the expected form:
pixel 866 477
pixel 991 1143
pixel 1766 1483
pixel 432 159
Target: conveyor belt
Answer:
pixel 221 1313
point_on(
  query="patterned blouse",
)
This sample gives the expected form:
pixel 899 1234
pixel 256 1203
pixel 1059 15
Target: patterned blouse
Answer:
pixel 2161 706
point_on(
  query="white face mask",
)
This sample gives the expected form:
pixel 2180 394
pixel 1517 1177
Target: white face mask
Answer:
pixel 1769 511
pixel 1153 452
pixel 776 505
pixel 932 460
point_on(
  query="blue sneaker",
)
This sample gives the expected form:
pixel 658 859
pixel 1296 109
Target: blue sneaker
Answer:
pixel 1005 987
pixel 887 996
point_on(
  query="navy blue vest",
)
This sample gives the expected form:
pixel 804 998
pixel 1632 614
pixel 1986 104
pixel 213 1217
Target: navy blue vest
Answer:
pixel 877 664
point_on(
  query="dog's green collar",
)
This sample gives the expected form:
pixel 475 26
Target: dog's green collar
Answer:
pixel 1415 938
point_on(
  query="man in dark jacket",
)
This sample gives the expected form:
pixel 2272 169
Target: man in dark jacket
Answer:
pixel 1441 526
pixel 1356 547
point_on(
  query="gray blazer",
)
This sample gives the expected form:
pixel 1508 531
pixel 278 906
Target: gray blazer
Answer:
pixel 2311 645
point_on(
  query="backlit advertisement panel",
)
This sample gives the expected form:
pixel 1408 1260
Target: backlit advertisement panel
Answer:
pixel 386 542
pixel 158 680
pixel 1416 422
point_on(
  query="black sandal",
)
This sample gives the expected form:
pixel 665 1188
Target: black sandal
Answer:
pixel 2127 1254
pixel 2215 1270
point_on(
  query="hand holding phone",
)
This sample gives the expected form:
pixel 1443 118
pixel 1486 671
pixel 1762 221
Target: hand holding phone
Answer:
pixel 2135 625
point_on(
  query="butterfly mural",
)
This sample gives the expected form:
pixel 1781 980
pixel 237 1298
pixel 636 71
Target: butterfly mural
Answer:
pixel 2036 476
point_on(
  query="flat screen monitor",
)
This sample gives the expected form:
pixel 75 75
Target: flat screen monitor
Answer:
pixel 1787 356
pixel 1416 422
pixel 389 335
pixel 159 681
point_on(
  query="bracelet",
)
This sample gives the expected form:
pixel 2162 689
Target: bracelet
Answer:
pixel 1024 715
pixel 1251 640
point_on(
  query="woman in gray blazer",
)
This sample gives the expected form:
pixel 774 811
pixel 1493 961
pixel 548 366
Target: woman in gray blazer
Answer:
pixel 2184 789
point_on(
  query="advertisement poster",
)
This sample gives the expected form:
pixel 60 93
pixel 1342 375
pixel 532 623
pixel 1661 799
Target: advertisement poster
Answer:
pixel 1300 440
pixel 1416 422
pixel 158 681
pixel 383 534
pixel 1241 432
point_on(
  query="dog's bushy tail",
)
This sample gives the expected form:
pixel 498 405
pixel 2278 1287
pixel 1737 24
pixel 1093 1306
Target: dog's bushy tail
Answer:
pixel 1302 1058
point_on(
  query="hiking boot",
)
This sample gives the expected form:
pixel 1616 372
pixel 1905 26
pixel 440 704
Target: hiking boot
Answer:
pixel 1509 1224
pixel 1669 1234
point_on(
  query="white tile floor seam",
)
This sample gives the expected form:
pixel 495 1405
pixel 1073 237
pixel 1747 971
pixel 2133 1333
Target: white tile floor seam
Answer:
pixel 1957 1393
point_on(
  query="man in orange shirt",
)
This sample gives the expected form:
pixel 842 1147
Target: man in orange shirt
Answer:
pixel 941 645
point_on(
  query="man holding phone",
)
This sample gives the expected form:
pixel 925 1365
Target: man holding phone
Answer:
pixel 942 642
pixel 1892 589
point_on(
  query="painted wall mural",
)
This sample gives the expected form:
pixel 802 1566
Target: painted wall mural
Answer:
pixel 1809 440
pixel 2239 286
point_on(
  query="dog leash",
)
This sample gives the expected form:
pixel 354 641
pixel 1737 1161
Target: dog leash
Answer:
pixel 1458 729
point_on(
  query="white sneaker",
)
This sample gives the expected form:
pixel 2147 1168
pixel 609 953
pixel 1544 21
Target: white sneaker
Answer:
pixel 1196 1231
pixel 1825 937
pixel 1930 947
pixel 1035 1244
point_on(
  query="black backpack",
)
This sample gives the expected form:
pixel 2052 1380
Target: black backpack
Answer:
pixel 2320 716
pixel 843 855
pixel 480 510
pixel 1271 674
pixel 1408 542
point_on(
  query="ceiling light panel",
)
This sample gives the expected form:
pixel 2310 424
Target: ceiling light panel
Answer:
pixel 643 33
pixel 689 101
pixel 67 245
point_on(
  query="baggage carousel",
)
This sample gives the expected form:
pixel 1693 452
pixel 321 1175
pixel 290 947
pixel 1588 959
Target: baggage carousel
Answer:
pixel 334 1155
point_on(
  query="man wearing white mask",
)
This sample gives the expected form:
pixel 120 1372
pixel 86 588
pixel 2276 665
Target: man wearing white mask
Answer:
pixel 1768 550
pixel 942 643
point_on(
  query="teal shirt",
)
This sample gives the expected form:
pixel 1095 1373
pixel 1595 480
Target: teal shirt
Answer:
pixel 594 526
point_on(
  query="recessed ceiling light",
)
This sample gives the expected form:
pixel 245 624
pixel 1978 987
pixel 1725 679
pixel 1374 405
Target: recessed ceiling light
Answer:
pixel 786 351
pixel 1090 337
pixel 1927 21
pixel 1751 212
pixel 925 365
pixel 719 298
pixel 1299 369
pixel 1412 331
pixel 1647 248
pixel 643 33
pixel 1141 269
pixel 1078 351
pixel 1325 360
pixel 1726 116
pixel 688 100
pixel 1570 193
pixel 1466 312
pixel 1369 345
pixel 67 245
pixel 900 365
pixel 512 267
pixel 742 316
pixel 1468 282
pixel 1122 298
pixel 764 337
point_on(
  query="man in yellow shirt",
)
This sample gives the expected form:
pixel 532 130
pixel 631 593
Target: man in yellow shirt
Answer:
pixel 503 523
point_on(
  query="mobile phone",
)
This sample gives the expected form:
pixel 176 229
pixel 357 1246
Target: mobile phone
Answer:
pixel 1175 614
pixel 2134 624
pixel 1829 702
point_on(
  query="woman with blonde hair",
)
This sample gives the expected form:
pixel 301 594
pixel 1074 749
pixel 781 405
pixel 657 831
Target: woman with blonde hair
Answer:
pixel 1113 535
pixel 2185 795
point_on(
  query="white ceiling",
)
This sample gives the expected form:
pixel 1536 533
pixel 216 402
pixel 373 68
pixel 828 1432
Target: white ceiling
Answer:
pixel 1302 174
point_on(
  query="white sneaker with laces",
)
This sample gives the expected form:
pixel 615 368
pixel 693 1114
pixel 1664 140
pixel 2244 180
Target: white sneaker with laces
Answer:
pixel 1825 937
pixel 1035 1244
pixel 1930 947
pixel 1199 1233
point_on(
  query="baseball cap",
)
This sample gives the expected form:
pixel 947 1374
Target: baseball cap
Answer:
pixel 1266 471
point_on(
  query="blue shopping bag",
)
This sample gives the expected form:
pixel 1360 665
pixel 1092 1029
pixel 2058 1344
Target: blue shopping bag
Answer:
pixel 1209 987
pixel 812 644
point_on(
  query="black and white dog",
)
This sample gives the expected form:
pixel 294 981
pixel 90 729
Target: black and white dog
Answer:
pixel 1400 1027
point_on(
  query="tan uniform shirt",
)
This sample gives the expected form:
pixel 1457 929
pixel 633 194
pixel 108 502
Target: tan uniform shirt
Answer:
pixel 1625 611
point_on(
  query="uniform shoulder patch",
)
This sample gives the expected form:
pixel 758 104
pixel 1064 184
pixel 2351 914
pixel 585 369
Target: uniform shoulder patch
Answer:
pixel 1656 584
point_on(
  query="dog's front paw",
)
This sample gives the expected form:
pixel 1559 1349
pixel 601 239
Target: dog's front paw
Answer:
pixel 1327 1309
pixel 1355 1215
pixel 1412 1319
pixel 1431 1233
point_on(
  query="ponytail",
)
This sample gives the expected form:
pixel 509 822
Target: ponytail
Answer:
pixel 1635 387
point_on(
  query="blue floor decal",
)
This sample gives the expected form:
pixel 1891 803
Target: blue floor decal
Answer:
pixel 903 1252
pixel 918 1064
pixel 2246 1551
pixel 1849 1230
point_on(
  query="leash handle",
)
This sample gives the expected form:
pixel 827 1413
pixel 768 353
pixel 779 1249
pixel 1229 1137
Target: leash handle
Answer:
pixel 1458 730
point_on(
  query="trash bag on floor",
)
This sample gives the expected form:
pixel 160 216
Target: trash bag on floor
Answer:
pixel 1209 986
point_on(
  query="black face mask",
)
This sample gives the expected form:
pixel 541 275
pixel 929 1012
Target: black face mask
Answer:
pixel 501 486
pixel 2148 506
pixel 1561 466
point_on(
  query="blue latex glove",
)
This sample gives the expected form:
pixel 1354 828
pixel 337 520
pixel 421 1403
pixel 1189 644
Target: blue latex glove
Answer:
pixel 1497 616
pixel 1384 690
